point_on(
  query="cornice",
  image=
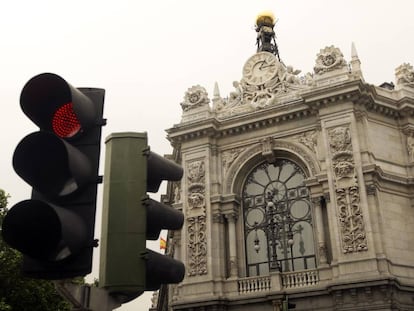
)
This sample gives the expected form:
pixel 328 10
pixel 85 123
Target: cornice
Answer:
pixel 393 104
pixel 248 122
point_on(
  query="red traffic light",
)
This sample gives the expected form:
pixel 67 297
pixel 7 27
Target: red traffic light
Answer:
pixel 65 123
pixel 56 106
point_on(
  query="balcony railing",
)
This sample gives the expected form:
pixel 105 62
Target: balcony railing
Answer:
pixel 300 278
pixel 254 284
pixel 295 279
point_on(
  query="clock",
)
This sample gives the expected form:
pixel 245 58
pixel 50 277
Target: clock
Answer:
pixel 260 68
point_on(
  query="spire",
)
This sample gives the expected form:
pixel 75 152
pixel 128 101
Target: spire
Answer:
pixel 354 53
pixel 355 62
pixel 216 92
pixel 266 38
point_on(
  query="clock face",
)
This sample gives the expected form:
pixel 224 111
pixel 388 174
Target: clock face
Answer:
pixel 260 68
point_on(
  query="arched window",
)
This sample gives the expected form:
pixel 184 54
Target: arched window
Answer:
pixel 278 224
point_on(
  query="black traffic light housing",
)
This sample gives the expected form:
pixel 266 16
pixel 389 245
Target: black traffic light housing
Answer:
pixel 130 217
pixel 55 228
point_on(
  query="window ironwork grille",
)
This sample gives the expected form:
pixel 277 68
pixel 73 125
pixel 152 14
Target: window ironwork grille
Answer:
pixel 278 224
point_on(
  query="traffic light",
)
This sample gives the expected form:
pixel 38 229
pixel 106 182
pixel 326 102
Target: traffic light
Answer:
pixel 55 228
pixel 130 217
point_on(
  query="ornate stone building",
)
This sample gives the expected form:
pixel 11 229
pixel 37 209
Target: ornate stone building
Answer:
pixel 296 187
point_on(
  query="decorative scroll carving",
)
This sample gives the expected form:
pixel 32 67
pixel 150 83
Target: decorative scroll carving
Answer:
pixel 196 96
pixel 404 75
pixel 351 220
pixel 197 246
pixel 229 156
pixel 196 184
pixel 309 139
pixel 329 59
pixel 196 220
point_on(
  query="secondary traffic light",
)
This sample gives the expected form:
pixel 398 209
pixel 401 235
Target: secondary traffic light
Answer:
pixel 130 217
pixel 55 228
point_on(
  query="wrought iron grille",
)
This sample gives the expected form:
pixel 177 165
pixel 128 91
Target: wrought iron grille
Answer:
pixel 278 224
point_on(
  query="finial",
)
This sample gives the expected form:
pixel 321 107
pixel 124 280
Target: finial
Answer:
pixel 266 38
pixel 216 92
pixel 354 54
pixel 355 62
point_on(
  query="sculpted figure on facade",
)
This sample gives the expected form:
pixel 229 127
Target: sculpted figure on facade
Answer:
pixel 404 75
pixel 249 96
pixel 329 59
pixel 196 96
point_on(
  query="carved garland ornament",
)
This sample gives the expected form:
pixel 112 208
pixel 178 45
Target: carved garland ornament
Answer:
pixel 197 245
pixel 351 220
pixel 196 220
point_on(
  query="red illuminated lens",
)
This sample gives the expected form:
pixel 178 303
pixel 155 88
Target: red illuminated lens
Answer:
pixel 65 124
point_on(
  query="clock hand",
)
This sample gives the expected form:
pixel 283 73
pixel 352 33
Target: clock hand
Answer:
pixel 263 67
pixel 263 62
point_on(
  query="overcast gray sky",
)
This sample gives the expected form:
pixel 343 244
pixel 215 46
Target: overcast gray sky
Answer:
pixel 146 54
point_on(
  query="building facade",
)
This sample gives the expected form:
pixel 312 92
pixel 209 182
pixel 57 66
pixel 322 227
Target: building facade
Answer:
pixel 296 188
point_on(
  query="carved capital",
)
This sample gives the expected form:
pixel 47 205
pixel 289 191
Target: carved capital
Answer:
pixel 371 189
pixel 232 217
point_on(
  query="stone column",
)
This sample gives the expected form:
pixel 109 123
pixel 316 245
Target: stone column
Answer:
pixel 231 219
pixel 317 204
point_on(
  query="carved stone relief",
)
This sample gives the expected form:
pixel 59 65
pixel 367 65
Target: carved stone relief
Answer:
pixel 248 97
pixel 309 139
pixel 196 184
pixel 196 96
pixel 197 246
pixel 404 75
pixel 229 156
pixel 351 220
pixel 328 59
pixel 196 219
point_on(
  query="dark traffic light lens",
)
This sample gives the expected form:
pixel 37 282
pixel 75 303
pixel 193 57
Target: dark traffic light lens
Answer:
pixel 65 123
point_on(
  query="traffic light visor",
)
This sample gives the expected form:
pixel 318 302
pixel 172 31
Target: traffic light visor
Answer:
pixel 42 231
pixel 51 165
pixel 56 106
